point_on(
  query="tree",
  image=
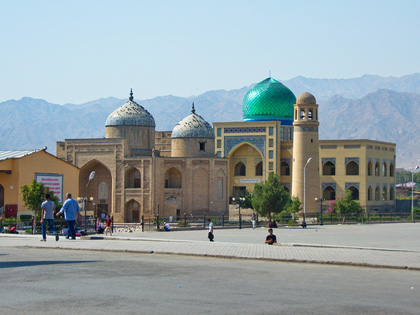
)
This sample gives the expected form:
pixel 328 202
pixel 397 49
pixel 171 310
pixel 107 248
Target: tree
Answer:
pixel 346 205
pixel 247 203
pixel 33 195
pixel 269 197
pixel 294 206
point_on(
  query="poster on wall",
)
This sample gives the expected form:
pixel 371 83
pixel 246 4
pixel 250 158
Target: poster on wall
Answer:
pixel 54 182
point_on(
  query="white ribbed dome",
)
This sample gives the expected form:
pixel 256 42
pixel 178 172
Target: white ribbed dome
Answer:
pixel 130 114
pixel 193 126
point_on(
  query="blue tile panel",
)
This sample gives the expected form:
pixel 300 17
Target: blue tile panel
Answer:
pixel 232 142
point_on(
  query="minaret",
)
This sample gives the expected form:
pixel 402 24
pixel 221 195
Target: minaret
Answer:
pixel 305 147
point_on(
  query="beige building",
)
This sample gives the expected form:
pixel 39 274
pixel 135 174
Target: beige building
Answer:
pixel 280 134
pixel 139 171
pixel 19 168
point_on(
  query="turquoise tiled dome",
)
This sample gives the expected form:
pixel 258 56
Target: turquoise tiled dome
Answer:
pixel 130 114
pixel 269 100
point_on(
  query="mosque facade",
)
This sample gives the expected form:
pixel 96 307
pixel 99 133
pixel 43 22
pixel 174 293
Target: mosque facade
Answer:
pixel 197 168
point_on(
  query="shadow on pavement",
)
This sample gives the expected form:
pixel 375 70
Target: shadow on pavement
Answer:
pixel 15 264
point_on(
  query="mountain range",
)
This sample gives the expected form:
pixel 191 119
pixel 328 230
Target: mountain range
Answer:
pixel 368 107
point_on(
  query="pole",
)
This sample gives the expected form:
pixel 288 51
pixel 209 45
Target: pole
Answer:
pixel 320 213
pixel 412 193
pixel 84 206
pixel 304 192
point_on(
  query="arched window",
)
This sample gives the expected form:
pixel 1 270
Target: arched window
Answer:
pixel 132 178
pixel 391 193
pixel 352 168
pixel 369 193
pixel 310 114
pixel 391 169
pixel 354 192
pixel 284 169
pixel 328 193
pixel 384 169
pixel 302 114
pixel 286 189
pixel 377 193
pixel 240 169
pixel 377 169
pixel 173 178
pixel 259 169
pixel 384 194
pixel 328 168
pixel 369 170
pixel 295 114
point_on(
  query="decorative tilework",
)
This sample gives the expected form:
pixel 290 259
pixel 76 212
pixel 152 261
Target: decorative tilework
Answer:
pixel 193 126
pixel 245 130
pixel 325 160
pixel 231 142
pixel 306 128
pixel 355 159
pixel 357 185
pixel 130 114
pixel 333 185
pixel 285 160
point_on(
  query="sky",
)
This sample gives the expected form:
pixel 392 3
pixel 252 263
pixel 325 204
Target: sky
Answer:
pixel 78 51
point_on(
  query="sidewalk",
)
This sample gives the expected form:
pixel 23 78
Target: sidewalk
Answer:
pixel 155 242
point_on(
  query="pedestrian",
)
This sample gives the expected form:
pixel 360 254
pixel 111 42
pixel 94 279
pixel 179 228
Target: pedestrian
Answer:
pixel 211 235
pixel 166 226
pixel 108 226
pixel 254 220
pixel 71 212
pixel 271 238
pixel 47 215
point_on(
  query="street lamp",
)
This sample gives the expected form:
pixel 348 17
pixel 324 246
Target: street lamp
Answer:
pixel 320 210
pixel 412 192
pixel 91 176
pixel 241 199
pixel 304 192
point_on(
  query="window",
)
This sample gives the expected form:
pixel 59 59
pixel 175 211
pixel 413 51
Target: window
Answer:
pixel 384 169
pixel 377 193
pixel 369 170
pixel 354 192
pixel 391 170
pixel 369 193
pixel 259 169
pixel 270 131
pixel 219 132
pixel 328 168
pixel 132 179
pixel 310 115
pixel 270 166
pixel 328 193
pixel 219 154
pixel 240 169
pixel 173 178
pixel 352 168
pixel 284 169
pixel 302 114
pixel 270 143
pixel 202 146
pixel 384 194
pixel 377 170
pixel 270 154
pixel 219 144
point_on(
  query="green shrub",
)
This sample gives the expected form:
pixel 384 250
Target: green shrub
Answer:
pixel 183 224
pixel 291 222
pixel 28 231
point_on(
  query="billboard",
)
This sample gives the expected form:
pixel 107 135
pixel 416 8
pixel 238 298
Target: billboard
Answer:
pixel 54 182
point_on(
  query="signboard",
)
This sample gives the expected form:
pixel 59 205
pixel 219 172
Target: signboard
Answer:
pixel 54 182
pixel 250 180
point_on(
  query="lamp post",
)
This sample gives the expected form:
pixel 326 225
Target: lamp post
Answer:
pixel 304 192
pixel 241 199
pixel 91 176
pixel 320 210
pixel 412 193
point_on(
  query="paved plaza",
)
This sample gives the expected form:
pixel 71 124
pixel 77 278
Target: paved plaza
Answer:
pixel 370 245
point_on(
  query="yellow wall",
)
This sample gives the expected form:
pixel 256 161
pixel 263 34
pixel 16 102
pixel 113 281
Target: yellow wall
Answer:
pixel 24 170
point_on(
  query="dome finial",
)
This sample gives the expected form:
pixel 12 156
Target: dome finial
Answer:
pixel 193 109
pixel 131 95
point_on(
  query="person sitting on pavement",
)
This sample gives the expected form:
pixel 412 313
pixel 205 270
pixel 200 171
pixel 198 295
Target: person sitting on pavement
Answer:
pixel 271 238
pixel 166 226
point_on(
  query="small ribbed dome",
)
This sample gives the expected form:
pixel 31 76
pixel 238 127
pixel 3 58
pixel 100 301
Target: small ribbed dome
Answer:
pixel 306 99
pixel 193 126
pixel 269 100
pixel 130 114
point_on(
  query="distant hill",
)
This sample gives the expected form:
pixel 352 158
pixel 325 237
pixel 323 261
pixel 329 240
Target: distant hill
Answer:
pixel 369 107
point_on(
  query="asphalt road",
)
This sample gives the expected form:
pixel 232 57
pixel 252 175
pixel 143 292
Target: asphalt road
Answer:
pixel 50 281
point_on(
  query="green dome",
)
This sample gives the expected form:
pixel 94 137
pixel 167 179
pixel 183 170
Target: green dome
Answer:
pixel 269 100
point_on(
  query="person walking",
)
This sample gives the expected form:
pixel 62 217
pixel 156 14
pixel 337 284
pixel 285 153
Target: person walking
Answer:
pixel 71 212
pixel 108 223
pixel 211 235
pixel 47 215
pixel 254 220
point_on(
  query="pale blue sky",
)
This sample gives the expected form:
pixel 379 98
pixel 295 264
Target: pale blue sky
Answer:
pixel 77 51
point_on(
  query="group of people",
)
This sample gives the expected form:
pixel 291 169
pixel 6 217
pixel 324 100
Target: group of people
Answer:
pixel 71 211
